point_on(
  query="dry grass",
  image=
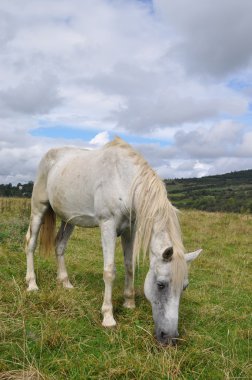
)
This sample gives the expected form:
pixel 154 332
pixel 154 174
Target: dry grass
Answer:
pixel 17 205
pixel 57 334
pixel 21 375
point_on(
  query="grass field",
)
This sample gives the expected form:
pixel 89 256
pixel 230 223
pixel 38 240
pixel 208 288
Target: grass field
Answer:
pixel 57 334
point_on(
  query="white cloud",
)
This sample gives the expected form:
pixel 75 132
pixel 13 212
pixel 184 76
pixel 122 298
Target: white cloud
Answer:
pixel 100 139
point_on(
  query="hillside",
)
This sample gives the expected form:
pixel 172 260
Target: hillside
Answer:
pixel 228 192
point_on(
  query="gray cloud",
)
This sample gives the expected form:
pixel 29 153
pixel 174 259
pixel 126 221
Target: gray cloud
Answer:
pixel 32 95
pixel 218 141
pixel 153 99
pixel 212 37
pixel 145 114
pixel 7 28
pixel 202 151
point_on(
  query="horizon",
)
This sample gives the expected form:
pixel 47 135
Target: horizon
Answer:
pixel 164 179
pixel 177 85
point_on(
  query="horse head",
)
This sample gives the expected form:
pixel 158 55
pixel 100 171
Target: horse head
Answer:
pixel 164 284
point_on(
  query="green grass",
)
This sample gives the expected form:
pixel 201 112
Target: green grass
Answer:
pixel 57 334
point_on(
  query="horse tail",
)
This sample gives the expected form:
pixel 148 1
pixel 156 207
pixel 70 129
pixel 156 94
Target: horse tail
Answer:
pixel 48 233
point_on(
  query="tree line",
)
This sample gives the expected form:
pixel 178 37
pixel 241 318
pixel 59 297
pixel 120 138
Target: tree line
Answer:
pixel 19 191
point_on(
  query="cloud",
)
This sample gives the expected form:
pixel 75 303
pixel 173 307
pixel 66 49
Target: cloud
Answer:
pixel 7 28
pixel 211 36
pixel 219 140
pixel 31 96
pixel 151 99
pixel 206 150
pixel 100 139
pixel 245 148
pixel 187 169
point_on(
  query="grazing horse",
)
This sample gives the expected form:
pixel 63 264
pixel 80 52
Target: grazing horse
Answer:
pixel 113 188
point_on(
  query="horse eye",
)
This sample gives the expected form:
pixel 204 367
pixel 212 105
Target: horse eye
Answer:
pixel 160 285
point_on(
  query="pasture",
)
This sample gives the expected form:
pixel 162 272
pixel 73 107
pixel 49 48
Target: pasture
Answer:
pixel 57 334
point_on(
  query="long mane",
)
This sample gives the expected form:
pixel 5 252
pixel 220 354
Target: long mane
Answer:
pixel 150 205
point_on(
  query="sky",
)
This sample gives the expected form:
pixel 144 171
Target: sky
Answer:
pixel 171 77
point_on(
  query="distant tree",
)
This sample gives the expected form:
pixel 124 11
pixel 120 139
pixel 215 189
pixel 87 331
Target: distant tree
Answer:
pixel 20 190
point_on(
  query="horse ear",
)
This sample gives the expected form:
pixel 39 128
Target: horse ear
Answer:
pixel 192 255
pixel 167 254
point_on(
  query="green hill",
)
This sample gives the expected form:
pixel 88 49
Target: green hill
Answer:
pixel 227 192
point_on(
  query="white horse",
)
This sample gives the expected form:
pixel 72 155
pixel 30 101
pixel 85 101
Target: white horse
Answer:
pixel 116 189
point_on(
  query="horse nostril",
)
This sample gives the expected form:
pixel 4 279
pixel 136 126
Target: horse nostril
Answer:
pixel 162 334
pixel 165 338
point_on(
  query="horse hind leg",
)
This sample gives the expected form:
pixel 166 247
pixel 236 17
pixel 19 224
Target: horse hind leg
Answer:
pixel 62 237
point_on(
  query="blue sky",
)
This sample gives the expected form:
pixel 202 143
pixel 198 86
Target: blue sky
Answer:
pixel 167 76
pixel 70 133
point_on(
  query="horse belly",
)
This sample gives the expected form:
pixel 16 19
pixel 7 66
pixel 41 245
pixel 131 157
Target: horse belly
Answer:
pixel 73 212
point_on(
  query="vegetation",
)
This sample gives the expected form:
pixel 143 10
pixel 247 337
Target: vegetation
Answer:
pixel 20 191
pixel 56 334
pixel 228 192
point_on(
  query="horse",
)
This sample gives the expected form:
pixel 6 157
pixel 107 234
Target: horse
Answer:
pixel 116 189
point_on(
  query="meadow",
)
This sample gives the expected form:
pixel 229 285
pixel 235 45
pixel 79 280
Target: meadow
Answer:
pixel 57 333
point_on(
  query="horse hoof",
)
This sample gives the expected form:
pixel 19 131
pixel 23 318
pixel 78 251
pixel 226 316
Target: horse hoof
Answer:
pixel 108 322
pixel 67 285
pixel 129 304
pixel 32 288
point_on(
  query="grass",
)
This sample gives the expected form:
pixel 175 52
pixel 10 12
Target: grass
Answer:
pixel 57 334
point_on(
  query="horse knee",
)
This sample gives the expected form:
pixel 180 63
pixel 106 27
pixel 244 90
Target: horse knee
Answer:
pixel 129 293
pixel 130 272
pixel 109 275
pixel 60 249
pixel 28 236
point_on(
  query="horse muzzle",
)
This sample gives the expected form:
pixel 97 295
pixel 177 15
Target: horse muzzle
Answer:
pixel 166 339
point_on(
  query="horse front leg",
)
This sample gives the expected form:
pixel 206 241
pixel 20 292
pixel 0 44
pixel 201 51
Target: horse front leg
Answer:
pixel 108 234
pixel 127 239
pixel 31 242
